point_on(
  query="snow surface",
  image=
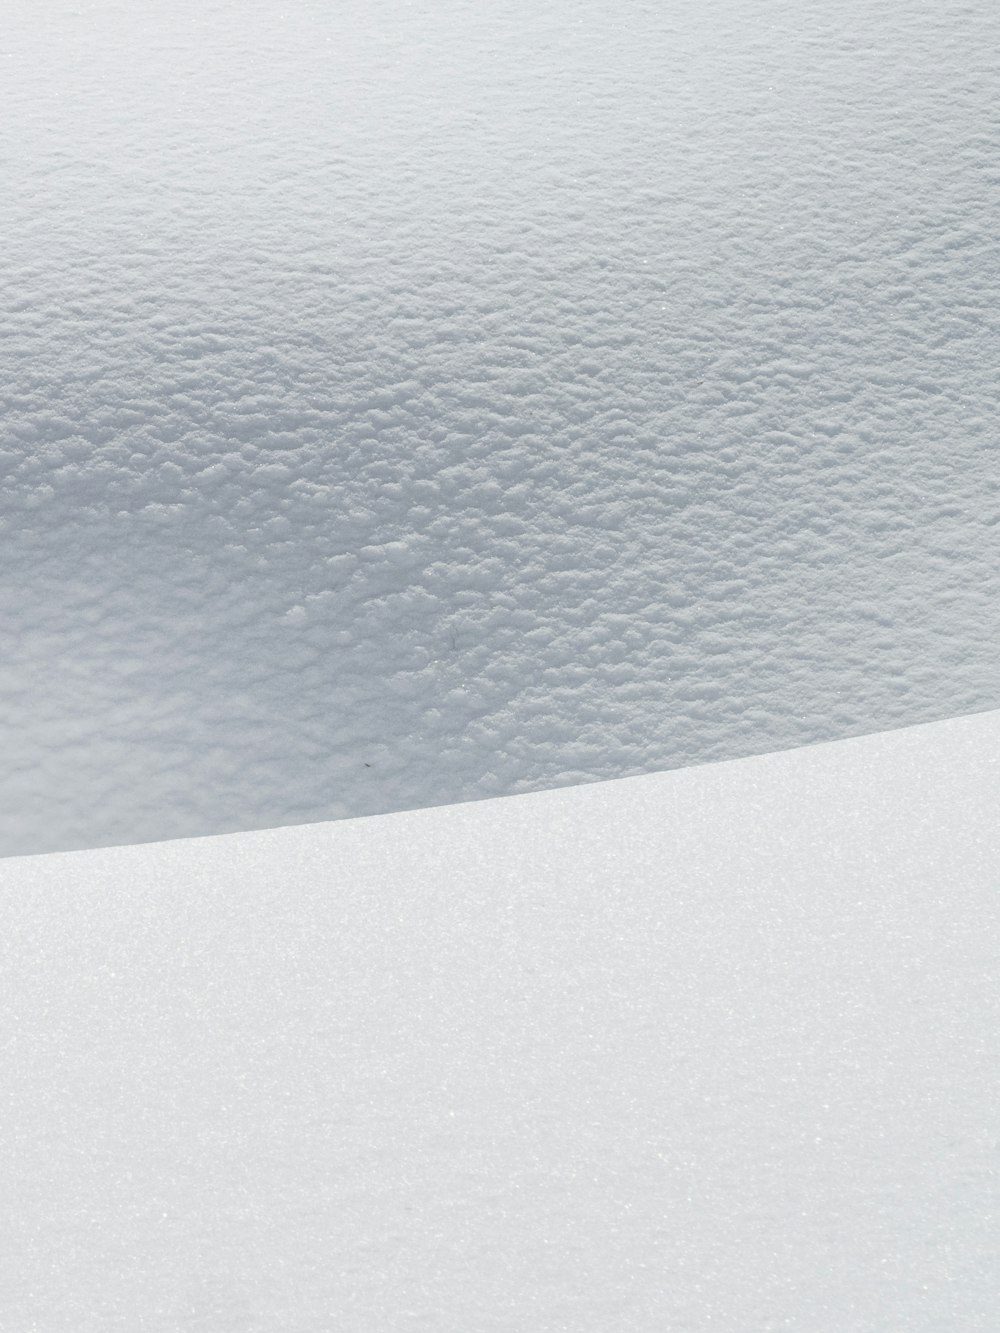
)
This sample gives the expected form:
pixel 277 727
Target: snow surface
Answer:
pixel 715 1049
pixel 411 402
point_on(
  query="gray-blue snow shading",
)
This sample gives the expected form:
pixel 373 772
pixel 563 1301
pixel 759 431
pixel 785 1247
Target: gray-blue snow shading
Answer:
pixel 412 402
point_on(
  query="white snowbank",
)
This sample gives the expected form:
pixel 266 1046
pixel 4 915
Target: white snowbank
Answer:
pixel 717 1049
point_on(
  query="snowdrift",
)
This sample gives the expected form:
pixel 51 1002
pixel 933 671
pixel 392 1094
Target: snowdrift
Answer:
pixel 712 1049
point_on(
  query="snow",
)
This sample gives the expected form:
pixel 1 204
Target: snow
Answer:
pixel 413 402
pixel 717 1048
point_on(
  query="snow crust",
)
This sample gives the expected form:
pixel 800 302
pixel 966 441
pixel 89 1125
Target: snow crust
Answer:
pixel 715 1049
pixel 411 402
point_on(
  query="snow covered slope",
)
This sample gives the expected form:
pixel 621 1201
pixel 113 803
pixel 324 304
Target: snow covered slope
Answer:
pixel 413 400
pixel 717 1049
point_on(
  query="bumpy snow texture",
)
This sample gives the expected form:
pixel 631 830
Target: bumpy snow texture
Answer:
pixel 412 402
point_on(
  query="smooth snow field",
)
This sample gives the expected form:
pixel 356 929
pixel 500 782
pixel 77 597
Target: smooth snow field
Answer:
pixel 709 1051
pixel 406 401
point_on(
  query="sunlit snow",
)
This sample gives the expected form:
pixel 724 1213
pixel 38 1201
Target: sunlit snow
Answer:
pixel 713 1050
pixel 407 401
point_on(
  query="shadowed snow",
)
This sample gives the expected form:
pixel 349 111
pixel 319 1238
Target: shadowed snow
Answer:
pixel 406 403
